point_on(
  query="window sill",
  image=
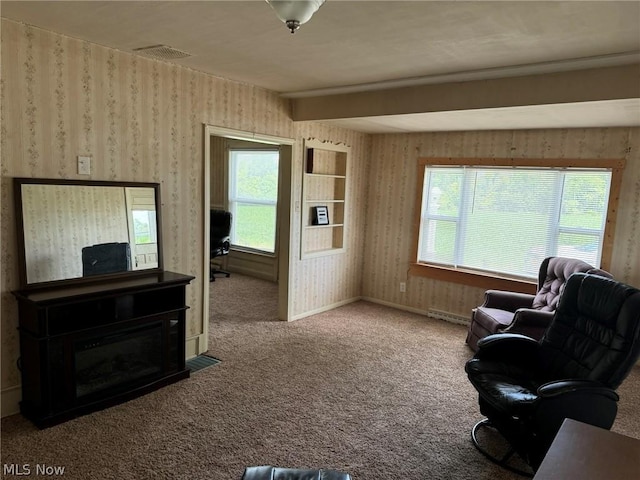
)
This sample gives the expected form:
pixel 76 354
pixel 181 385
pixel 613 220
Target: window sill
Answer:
pixel 472 278
pixel 252 251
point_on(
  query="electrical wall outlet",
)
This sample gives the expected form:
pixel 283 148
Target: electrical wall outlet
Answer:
pixel 403 287
pixel 84 165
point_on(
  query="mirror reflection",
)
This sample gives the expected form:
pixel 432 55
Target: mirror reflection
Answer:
pixel 74 230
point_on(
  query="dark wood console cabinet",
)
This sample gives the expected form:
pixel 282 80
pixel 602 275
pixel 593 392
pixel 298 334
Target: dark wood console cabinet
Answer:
pixel 87 347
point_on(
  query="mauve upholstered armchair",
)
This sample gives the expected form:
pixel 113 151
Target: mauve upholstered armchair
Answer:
pixel 529 315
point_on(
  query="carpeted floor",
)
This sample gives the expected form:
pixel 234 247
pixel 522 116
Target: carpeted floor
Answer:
pixel 367 389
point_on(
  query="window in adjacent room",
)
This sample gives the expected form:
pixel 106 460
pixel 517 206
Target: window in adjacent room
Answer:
pixel 504 221
pixel 253 198
pixel 144 226
pixel 141 214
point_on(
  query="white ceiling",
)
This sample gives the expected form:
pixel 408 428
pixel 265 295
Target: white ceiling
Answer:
pixel 614 113
pixel 364 45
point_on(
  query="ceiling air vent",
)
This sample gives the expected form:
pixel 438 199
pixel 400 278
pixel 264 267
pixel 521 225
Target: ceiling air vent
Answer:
pixel 162 51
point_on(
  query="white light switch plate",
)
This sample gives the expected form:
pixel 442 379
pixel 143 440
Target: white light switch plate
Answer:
pixel 84 165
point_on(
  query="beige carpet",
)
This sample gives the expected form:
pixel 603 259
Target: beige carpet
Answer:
pixel 374 391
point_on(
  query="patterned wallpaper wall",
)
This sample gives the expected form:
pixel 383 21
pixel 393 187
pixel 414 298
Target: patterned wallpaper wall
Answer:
pixel 141 120
pixel 331 279
pixel 392 191
pixel 218 172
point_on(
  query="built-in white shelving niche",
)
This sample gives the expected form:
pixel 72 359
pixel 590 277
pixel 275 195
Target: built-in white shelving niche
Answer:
pixel 324 184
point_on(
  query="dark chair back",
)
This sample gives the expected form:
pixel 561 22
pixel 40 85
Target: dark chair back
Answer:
pixel 595 332
pixel 219 230
pixel 106 258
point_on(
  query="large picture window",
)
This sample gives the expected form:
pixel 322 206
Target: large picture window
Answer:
pixel 253 198
pixel 504 220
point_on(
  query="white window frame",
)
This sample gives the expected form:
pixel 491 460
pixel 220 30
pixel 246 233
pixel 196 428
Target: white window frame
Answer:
pixel 234 199
pixel 500 281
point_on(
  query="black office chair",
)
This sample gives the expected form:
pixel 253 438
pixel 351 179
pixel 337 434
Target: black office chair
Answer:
pixel 106 258
pixel 219 231
pixel 527 388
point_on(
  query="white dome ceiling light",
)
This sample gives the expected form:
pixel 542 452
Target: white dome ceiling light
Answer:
pixel 295 12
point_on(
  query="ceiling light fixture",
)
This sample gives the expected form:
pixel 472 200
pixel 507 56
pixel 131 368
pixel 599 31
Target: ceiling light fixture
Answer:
pixel 295 12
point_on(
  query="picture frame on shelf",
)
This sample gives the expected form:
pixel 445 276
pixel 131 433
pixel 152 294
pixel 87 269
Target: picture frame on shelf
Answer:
pixel 320 215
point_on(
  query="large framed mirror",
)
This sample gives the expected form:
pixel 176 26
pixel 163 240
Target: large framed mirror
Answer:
pixel 74 231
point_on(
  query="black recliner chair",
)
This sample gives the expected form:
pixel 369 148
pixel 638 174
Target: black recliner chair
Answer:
pixel 267 472
pixel 527 388
pixel 219 231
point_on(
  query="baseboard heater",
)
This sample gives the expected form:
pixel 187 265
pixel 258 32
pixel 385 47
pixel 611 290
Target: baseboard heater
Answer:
pixel 448 317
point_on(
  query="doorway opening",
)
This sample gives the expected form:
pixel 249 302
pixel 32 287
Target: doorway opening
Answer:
pixel 249 175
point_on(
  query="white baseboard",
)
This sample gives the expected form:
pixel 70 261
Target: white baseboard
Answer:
pixel 431 313
pixel 250 272
pixel 193 346
pixel 397 306
pixel 10 400
pixel 325 308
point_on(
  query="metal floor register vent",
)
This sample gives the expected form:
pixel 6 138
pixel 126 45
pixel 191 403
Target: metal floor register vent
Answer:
pixel 201 361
